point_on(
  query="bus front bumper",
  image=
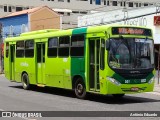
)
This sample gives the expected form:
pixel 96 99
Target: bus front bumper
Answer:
pixel 111 88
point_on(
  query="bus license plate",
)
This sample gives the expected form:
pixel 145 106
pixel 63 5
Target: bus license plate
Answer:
pixel 134 89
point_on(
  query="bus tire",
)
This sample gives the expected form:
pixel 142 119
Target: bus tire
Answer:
pixel 118 95
pixel 80 90
pixel 25 81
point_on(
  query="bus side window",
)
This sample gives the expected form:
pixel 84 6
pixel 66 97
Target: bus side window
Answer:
pixel 7 49
pixel 52 47
pixel 20 49
pixel 77 45
pixel 64 44
pixel 29 48
pixel 102 54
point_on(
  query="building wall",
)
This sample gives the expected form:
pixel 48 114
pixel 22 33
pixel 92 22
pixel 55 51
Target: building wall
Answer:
pixel 44 18
pixel 78 7
pixel 13 26
pixel 76 4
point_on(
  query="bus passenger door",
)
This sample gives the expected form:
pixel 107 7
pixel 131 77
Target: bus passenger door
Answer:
pixel 94 52
pixel 40 55
pixel 12 62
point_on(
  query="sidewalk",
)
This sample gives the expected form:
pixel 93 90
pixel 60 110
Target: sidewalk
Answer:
pixel 157 86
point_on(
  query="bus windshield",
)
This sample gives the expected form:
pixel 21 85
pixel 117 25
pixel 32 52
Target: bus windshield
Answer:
pixel 131 53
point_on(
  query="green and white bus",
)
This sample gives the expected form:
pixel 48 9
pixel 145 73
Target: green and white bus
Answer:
pixel 105 59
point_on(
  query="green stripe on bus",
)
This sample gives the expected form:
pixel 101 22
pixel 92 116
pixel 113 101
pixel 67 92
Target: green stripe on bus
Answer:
pixel 78 63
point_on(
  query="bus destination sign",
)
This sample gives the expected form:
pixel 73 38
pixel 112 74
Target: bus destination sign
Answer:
pixel 130 31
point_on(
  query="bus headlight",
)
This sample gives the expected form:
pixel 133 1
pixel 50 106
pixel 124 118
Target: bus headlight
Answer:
pixel 113 81
pixel 151 80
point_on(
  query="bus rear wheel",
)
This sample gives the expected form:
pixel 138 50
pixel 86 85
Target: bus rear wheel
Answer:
pixel 80 90
pixel 25 81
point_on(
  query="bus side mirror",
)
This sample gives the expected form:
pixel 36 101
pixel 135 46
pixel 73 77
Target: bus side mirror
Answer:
pixel 107 44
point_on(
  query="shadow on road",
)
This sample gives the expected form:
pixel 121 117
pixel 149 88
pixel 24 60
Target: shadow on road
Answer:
pixel 108 99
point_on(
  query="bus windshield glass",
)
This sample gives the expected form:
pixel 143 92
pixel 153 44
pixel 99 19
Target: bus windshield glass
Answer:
pixel 131 53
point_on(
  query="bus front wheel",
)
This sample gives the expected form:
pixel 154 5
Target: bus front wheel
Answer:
pixel 80 90
pixel 25 81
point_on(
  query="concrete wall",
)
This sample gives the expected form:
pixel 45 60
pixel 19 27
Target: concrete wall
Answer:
pixel 73 5
pixel 44 18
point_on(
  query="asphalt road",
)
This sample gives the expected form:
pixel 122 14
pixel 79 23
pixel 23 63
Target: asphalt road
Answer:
pixel 14 98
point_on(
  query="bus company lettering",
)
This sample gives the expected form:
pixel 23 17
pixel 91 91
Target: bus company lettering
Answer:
pixel 24 64
pixel 141 21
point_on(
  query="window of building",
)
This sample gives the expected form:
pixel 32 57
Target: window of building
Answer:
pixel 27 8
pixel 7 49
pixel 9 9
pixel 140 4
pixel 98 2
pixel 68 0
pixel 105 2
pixel 68 14
pixel 64 44
pixel 145 4
pixel 130 4
pixel 83 12
pixel 77 45
pixel 60 0
pixel 90 1
pixel 5 8
pixel 124 4
pixel 151 4
pixel 52 47
pixel 62 13
pixel 136 4
pixel 29 48
pixel 20 49
pixel 114 3
pixel 76 12
pixel 19 8
pixel 121 4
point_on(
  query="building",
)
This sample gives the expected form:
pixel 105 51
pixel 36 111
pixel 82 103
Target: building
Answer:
pixel 29 20
pixel 37 18
pixel 70 9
